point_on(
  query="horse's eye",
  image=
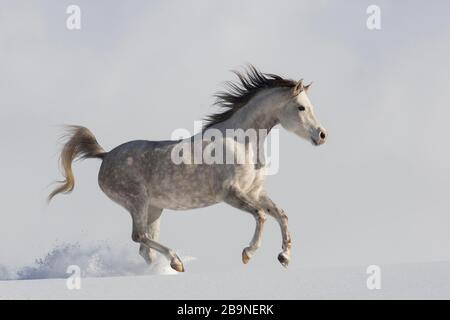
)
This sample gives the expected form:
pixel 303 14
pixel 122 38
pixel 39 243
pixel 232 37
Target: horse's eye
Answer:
pixel 301 108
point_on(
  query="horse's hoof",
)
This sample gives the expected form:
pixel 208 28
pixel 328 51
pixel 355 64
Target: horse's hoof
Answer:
pixel 148 259
pixel 177 266
pixel 284 259
pixel 245 256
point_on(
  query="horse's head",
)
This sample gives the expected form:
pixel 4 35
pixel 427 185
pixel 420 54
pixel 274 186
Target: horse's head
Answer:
pixel 298 116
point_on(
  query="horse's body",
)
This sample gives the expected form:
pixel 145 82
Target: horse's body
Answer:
pixel 143 177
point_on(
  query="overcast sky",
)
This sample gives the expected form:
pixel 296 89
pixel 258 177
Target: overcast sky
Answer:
pixel 376 192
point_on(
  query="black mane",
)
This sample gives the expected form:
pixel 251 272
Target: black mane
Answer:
pixel 251 81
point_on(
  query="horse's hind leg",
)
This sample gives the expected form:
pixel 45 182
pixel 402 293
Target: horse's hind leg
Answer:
pixel 153 225
pixel 141 235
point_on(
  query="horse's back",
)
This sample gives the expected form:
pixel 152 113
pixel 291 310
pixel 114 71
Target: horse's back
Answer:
pixel 134 158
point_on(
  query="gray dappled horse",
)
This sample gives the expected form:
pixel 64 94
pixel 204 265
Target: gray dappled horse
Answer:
pixel 142 176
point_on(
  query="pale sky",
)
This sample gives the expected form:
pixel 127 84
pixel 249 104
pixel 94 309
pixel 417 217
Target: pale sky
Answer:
pixel 376 192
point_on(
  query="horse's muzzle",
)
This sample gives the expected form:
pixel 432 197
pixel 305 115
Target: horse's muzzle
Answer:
pixel 319 137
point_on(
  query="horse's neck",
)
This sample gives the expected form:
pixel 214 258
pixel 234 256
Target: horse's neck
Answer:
pixel 260 113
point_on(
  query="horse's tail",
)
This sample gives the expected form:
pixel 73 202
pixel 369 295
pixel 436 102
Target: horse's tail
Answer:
pixel 80 144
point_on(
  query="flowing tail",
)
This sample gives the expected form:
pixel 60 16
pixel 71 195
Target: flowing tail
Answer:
pixel 80 144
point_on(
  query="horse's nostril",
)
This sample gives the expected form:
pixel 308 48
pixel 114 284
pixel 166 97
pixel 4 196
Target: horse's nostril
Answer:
pixel 322 135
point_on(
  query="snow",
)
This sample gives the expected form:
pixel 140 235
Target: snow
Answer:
pixel 118 274
pixel 99 260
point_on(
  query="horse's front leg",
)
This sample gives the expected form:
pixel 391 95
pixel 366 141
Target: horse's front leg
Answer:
pixel 273 210
pixel 244 202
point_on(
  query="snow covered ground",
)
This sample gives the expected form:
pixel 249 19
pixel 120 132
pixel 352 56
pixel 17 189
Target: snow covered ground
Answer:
pixel 111 274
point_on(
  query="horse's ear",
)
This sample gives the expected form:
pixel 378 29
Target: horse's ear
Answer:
pixel 307 86
pixel 298 87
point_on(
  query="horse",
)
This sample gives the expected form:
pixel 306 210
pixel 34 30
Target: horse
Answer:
pixel 142 176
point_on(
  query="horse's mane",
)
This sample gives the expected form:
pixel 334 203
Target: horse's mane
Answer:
pixel 238 94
